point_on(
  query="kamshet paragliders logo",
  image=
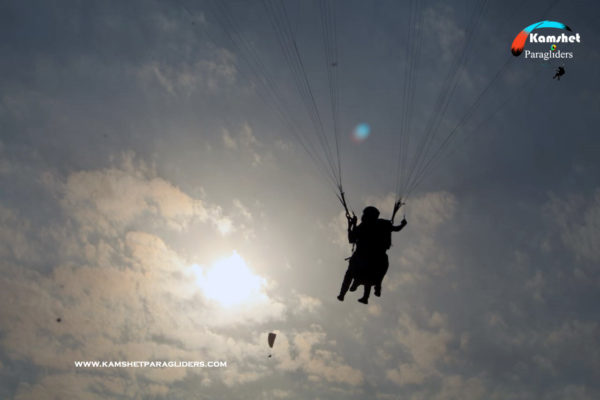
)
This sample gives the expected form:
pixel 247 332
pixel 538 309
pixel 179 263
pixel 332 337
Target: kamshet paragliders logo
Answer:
pixel 518 44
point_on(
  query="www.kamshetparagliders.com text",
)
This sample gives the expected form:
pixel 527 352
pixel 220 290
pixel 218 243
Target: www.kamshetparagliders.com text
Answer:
pixel 150 364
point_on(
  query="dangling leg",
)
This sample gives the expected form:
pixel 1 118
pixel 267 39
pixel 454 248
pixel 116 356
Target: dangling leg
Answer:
pixel 351 276
pixel 378 289
pixel 346 283
pixel 367 292
pixel 382 270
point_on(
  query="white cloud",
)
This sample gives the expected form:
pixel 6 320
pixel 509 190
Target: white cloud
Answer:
pixel 242 209
pixel 277 394
pixel 147 309
pixel 14 241
pixel 536 285
pixel 575 392
pixel 406 374
pixel 304 351
pixel 185 78
pixel 73 385
pixel 449 34
pixel 432 209
pixel 337 229
pixel 577 220
pixel 374 309
pixel 121 293
pixel 458 387
pixel 246 143
pixel 574 332
pixel 228 140
pixel 111 199
pixel 125 294
pixel 308 304
pixel 428 348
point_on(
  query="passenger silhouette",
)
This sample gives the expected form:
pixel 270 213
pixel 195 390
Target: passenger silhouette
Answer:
pixel 369 262
pixel 560 71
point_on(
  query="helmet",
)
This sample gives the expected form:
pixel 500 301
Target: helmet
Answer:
pixel 370 213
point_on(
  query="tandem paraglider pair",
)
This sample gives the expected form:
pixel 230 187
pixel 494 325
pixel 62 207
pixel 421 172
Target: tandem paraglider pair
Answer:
pixel 369 261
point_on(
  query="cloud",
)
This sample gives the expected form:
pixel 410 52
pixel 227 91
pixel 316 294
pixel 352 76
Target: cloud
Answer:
pixel 76 385
pixel 577 219
pixel 308 304
pixel 277 394
pixel 120 291
pixel 245 219
pixel 304 351
pixel 375 309
pixel 449 34
pixel 15 242
pixel 337 230
pixel 146 309
pixel 427 348
pixel 115 198
pixel 244 142
pixel 243 210
pixel 228 140
pixel 432 209
pixel 211 74
pixel 123 292
pixel 458 387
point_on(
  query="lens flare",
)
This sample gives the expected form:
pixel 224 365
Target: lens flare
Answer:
pixel 361 132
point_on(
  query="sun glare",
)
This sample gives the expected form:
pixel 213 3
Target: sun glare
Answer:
pixel 230 282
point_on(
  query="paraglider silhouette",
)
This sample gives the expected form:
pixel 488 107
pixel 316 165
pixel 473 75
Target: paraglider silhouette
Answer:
pixel 560 71
pixel 271 340
pixel 369 262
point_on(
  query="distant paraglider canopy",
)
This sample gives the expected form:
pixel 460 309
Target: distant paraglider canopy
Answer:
pixel 271 340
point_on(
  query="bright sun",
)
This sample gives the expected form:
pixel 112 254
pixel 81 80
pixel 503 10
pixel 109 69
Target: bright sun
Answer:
pixel 230 282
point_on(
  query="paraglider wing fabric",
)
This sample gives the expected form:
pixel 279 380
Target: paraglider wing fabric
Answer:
pixel 271 339
pixel 519 43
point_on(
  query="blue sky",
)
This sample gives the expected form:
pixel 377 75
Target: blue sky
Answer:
pixel 142 165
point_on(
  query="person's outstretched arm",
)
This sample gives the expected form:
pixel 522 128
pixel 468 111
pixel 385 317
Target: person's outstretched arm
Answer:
pixel 398 228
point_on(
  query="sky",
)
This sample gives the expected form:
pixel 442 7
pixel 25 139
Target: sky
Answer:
pixel 157 203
